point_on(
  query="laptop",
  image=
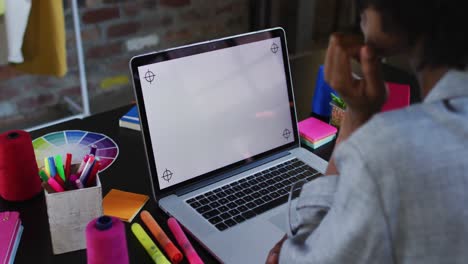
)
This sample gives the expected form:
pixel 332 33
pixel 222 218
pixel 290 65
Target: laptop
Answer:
pixel 220 131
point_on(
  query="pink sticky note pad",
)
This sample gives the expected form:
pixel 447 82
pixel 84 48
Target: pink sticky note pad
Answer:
pixel 398 97
pixel 315 130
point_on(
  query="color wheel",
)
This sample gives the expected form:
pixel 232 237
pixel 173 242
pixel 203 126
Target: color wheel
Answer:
pixel 78 143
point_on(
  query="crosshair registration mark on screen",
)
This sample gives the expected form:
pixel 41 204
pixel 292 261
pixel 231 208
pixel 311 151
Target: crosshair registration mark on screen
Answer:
pixel 274 48
pixel 167 175
pixel 286 133
pixel 149 76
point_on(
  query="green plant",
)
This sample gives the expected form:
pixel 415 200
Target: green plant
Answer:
pixel 338 101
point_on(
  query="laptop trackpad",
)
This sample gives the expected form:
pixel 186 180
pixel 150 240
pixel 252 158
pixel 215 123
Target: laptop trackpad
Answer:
pixel 279 220
pixel 250 243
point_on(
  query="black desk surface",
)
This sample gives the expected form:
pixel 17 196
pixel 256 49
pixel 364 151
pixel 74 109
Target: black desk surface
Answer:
pixel 128 173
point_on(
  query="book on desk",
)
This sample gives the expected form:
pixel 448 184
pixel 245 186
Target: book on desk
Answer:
pixel 10 236
pixel 131 119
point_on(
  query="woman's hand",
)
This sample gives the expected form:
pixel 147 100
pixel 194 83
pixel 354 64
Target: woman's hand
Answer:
pixel 273 256
pixel 364 97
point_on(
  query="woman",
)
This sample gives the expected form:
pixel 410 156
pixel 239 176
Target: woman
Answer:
pixel 396 189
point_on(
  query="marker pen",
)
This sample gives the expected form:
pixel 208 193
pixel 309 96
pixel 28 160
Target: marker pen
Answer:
pixel 73 178
pixel 91 180
pixel 151 248
pixel 82 164
pixel 79 184
pixel 93 150
pixel 59 164
pixel 87 168
pixel 46 167
pixel 47 187
pixel 59 180
pixel 183 241
pixel 171 250
pixel 87 171
pixel 43 176
pixel 71 183
pixel 68 165
pixel 54 185
pixel 52 168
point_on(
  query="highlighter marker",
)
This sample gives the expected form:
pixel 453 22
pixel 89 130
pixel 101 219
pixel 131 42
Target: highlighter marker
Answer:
pixel 52 168
pixel 171 250
pixel 68 165
pixel 59 164
pixel 54 185
pixel 151 248
pixel 183 241
pixel 46 167
pixel 43 176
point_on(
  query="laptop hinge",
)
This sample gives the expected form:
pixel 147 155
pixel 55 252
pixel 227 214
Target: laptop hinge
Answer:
pixel 217 178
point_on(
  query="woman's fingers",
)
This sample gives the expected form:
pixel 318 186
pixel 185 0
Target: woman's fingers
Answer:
pixel 338 73
pixel 366 95
pixel 372 74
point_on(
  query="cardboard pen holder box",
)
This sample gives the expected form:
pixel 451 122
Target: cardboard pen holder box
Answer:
pixel 69 212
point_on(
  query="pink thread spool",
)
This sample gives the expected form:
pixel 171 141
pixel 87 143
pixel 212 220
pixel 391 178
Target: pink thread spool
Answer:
pixel 106 241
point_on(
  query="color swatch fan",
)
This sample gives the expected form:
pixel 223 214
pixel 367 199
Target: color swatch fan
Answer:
pixel 78 143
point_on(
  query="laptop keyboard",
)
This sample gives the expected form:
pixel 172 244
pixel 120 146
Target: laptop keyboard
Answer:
pixel 236 202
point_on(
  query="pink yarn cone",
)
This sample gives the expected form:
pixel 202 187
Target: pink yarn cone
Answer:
pixel 106 241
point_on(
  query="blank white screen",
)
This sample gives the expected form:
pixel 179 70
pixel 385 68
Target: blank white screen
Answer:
pixel 213 109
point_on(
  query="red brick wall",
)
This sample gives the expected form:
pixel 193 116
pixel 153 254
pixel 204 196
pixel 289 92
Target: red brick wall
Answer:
pixel 112 32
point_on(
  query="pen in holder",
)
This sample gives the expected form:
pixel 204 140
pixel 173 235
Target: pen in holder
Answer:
pixel 69 212
pixel 337 114
pixel 338 109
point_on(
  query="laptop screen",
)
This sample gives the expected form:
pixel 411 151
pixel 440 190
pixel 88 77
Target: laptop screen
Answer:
pixel 216 108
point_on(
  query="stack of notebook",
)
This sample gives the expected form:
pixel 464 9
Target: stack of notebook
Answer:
pixel 315 133
pixel 10 235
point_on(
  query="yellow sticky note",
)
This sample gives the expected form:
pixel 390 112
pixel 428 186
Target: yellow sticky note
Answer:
pixel 123 205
